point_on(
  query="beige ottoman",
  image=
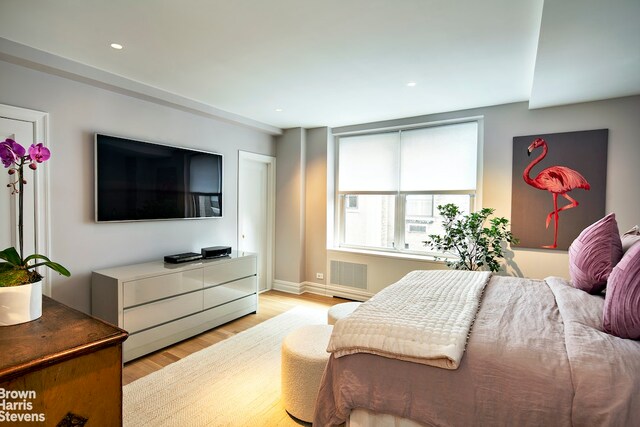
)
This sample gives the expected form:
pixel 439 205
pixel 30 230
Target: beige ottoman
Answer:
pixel 304 357
pixel 341 310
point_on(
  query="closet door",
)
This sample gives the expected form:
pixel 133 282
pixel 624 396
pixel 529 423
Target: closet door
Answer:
pixel 256 176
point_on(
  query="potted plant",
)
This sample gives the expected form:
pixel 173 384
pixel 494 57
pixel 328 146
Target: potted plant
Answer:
pixel 476 247
pixel 20 282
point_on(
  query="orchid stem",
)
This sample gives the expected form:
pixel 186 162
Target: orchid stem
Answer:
pixel 20 206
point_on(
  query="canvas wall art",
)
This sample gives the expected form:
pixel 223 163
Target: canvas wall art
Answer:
pixel 558 186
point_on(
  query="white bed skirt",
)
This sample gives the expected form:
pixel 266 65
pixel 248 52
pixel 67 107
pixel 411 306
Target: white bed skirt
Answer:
pixel 361 417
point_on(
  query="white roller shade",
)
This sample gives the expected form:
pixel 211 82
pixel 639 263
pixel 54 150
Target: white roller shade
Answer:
pixel 368 163
pixel 439 158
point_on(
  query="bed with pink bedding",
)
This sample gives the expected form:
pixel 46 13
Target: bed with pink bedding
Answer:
pixel 536 355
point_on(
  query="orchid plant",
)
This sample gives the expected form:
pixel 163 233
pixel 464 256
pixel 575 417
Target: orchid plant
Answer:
pixel 18 269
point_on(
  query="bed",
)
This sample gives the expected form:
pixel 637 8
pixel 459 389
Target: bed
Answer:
pixel 536 355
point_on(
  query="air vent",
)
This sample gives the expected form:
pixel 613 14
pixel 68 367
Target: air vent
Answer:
pixel 349 274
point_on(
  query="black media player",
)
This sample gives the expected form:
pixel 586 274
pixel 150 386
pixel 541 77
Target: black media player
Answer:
pixel 184 257
pixel 216 251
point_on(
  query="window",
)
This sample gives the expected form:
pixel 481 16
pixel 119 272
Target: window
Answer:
pixel 416 228
pixel 391 183
pixel 351 202
pixel 372 224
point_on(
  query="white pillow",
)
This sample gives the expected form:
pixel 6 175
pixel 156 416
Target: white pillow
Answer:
pixel 630 238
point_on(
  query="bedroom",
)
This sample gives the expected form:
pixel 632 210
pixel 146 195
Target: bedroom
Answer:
pixel 81 101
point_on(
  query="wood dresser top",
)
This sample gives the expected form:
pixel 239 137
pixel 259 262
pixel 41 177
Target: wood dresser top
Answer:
pixel 61 333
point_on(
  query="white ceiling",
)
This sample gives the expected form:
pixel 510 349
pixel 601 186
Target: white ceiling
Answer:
pixel 340 62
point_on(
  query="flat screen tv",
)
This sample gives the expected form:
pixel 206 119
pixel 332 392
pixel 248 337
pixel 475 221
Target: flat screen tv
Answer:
pixel 140 181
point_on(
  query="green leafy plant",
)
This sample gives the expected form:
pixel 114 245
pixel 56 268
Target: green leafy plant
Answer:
pixel 476 247
pixel 18 269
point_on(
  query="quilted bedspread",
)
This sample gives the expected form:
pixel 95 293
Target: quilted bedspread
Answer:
pixel 425 318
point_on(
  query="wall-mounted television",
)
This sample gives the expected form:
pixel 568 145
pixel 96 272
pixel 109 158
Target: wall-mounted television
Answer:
pixel 141 181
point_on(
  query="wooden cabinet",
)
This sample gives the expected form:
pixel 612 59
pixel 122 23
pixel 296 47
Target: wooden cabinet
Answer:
pixel 64 365
pixel 160 304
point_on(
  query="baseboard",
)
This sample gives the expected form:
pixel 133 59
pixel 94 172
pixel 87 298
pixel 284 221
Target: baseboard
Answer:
pixel 289 287
pixel 320 289
pixel 349 293
pixel 315 288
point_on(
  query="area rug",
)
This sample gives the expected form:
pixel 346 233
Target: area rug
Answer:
pixel 235 382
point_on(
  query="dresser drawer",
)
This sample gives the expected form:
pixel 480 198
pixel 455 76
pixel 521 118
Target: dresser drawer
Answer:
pixel 162 286
pixel 225 272
pixel 229 292
pixel 155 313
pixel 155 338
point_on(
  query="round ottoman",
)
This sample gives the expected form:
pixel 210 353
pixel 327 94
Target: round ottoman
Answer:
pixel 304 357
pixel 341 310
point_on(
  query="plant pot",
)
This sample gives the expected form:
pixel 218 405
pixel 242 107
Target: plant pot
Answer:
pixel 20 304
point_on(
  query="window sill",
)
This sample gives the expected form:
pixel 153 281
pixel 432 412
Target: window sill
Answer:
pixel 394 255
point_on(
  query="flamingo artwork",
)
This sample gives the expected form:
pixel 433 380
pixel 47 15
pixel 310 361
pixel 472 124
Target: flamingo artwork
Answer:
pixel 558 180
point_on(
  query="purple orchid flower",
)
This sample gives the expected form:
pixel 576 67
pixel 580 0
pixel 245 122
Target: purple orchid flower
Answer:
pixel 10 152
pixel 39 153
pixel 6 155
pixel 15 147
pixel 13 157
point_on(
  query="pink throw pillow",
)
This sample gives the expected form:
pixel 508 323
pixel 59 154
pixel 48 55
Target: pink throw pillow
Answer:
pixel 621 316
pixel 594 253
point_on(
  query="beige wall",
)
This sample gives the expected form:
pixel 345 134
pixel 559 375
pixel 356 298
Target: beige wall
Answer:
pixel 316 204
pixel 501 124
pixel 290 206
pixel 382 270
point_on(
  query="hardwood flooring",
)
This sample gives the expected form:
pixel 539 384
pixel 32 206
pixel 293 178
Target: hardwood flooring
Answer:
pixel 270 304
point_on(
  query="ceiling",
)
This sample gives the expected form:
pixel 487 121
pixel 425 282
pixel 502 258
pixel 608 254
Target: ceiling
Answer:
pixel 290 63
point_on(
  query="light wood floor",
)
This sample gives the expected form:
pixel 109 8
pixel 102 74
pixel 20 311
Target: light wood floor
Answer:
pixel 270 304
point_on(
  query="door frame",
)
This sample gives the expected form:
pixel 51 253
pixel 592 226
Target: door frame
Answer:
pixel 42 210
pixel 270 162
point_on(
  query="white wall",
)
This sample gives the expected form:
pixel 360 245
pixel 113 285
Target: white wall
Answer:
pixel 501 124
pixel 77 111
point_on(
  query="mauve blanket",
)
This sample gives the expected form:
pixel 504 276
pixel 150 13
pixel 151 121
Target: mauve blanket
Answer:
pixel 536 356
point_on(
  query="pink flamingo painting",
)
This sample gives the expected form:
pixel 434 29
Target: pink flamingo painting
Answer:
pixel 558 180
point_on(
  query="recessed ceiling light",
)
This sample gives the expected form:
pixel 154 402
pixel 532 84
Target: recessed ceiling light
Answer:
pixel 411 84
pixel 278 109
pixel 116 46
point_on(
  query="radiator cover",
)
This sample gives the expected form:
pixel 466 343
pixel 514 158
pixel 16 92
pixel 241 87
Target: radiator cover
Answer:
pixel 349 274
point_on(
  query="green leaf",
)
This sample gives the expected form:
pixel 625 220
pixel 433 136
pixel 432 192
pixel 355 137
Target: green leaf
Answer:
pixel 54 266
pixel 477 246
pixel 47 263
pixel 11 255
pixel 58 268
pixel 36 256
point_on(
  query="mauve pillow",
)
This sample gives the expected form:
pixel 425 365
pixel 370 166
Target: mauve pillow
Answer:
pixel 621 316
pixel 594 253
pixel 630 238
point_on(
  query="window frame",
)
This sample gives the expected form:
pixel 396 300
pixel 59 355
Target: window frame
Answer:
pixel 398 248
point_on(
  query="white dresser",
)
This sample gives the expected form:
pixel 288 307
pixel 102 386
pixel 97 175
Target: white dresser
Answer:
pixel 160 304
